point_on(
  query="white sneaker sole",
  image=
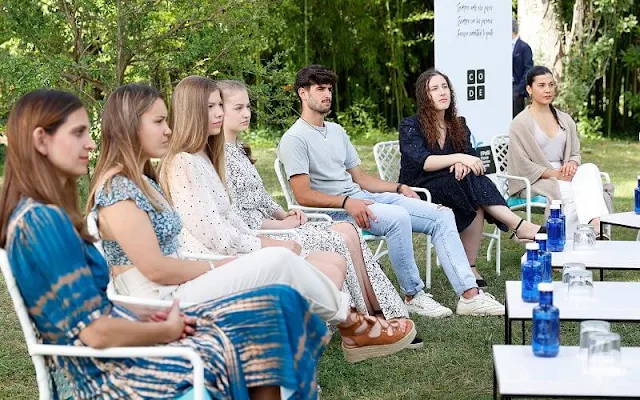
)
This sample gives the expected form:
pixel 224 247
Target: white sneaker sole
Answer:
pixel 420 311
pixel 481 313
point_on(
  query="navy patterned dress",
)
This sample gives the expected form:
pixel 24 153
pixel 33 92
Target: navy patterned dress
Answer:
pixel 262 337
pixel 463 197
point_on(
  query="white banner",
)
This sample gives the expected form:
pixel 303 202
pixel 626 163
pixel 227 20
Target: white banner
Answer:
pixel 473 48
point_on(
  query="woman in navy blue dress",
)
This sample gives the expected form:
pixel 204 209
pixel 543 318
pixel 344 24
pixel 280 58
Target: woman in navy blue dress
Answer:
pixel 437 155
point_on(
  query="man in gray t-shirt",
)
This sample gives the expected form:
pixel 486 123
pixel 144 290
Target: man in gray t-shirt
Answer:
pixel 324 170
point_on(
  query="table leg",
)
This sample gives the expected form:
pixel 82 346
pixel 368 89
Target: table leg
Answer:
pixel 523 328
pixel 495 383
pixel 601 274
pixel 507 324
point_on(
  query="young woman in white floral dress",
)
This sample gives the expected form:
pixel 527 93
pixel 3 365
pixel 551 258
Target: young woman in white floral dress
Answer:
pixel 367 284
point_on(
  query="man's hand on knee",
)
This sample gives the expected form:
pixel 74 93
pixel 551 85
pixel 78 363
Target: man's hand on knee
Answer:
pixel 359 211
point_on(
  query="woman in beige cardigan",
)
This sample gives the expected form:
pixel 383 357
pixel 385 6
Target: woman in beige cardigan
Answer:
pixel 544 147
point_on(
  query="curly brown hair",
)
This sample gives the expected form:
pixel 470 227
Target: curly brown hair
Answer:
pixel 428 115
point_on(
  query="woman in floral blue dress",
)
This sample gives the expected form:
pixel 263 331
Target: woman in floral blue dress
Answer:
pixel 63 278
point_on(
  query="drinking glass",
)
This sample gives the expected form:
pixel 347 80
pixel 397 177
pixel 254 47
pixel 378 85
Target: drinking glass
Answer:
pixel 603 355
pixel 580 283
pixel 569 267
pixel 584 238
pixel 586 329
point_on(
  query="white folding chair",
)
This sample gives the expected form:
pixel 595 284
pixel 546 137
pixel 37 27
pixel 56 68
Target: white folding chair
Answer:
pixel 387 157
pixel 38 351
pixel 499 150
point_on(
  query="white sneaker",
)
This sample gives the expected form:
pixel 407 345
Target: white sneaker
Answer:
pixel 482 304
pixel 424 304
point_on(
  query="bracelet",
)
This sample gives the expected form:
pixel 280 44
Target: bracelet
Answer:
pixel 398 187
pixel 344 201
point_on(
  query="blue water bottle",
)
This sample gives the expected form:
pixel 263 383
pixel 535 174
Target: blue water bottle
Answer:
pixel 546 324
pixel 531 274
pixel 563 218
pixel 637 197
pixel 544 256
pixel 555 241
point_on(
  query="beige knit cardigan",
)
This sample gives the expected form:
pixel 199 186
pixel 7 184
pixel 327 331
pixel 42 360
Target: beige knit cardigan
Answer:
pixel 525 157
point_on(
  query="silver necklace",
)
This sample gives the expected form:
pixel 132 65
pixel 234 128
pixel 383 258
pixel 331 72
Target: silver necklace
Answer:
pixel 324 135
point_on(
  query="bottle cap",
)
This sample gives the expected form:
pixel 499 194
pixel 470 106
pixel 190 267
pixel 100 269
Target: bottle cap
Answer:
pixel 638 176
pixel 555 206
pixel 532 246
pixel 545 287
pixel 541 236
pixel 556 202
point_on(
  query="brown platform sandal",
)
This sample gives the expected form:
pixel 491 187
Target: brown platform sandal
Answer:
pixel 390 340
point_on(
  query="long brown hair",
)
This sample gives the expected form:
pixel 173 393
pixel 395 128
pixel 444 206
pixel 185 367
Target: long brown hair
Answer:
pixel 189 122
pixel 428 115
pixel 120 148
pixel 27 172
pixel 229 87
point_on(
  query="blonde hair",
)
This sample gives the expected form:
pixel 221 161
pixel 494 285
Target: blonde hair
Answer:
pixel 228 86
pixel 120 147
pixel 189 122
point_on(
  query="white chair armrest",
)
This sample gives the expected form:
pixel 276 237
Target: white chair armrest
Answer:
pixel 130 352
pixel 144 304
pixel 605 176
pixel 203 256
pixel 527 190
pixel 317 209
pixel 422 190
pixel 277 232
pixel 319 216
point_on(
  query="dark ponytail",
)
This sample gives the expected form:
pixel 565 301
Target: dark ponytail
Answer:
pixel 538 70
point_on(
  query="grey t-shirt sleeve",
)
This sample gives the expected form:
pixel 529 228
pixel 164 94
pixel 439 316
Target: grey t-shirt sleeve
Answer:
pixel 351 160
pixel 292 152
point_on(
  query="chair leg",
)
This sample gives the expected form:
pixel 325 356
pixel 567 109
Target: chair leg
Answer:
pixel 498 251
pixel 427 280
pixel 489 249
pixel 379 250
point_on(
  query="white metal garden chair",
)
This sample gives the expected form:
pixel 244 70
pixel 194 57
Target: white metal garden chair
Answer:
pixel 368 236
pixel 387 156
pixel 38 351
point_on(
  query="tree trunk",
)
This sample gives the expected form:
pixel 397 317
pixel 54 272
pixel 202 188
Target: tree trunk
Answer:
pixel 540 28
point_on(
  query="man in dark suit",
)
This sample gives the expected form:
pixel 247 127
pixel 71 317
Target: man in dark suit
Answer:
pixel 522 61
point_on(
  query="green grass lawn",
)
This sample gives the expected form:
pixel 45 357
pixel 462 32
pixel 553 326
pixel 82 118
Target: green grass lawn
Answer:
pixel 455 362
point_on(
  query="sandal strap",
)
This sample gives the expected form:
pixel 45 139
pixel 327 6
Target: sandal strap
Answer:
pixel 363 339
pixel 515 231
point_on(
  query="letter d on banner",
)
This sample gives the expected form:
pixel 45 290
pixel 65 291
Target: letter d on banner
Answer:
pixel 473 47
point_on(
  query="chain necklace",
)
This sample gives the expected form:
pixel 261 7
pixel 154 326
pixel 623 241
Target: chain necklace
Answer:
pixel 324 134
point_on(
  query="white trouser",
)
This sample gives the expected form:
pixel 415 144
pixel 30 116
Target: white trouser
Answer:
pixel 267 266
pixel 582 198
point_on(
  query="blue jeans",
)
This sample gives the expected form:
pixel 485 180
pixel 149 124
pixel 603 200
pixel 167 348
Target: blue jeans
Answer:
pixel 398 216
